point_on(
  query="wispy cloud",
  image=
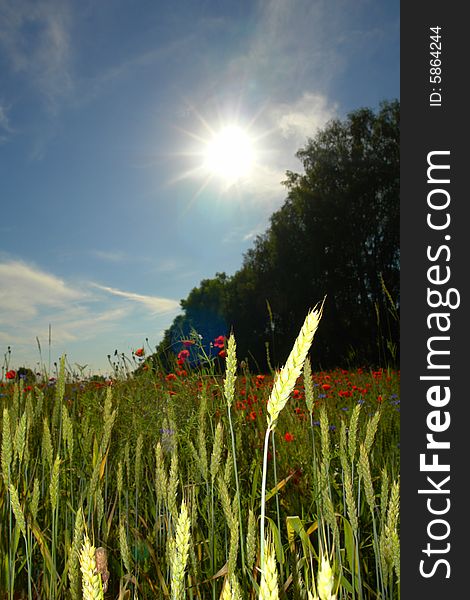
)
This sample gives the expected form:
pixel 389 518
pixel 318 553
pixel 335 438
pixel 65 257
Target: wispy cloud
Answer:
pixel 26 290
pixel 32 298
pixel 113 256
pixel 5 127
pixel 155 304
pixel 36 41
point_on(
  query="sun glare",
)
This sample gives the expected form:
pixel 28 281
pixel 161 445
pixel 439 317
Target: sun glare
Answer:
pixel 229 154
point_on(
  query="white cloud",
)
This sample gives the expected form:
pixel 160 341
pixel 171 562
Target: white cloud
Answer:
pixel 81 319
pixel 155 304
pixel 26 290
pixel 302 118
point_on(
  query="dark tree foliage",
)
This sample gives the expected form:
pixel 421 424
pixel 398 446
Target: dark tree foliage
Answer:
pixel 337 234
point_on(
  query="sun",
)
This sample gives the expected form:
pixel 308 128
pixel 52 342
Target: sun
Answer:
pixel 226 153
pixel 229 154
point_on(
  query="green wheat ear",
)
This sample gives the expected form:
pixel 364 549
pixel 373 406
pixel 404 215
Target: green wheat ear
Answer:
pixel 231 370
pixel 287 377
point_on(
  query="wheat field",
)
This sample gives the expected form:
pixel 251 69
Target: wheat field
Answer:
pixel 202 485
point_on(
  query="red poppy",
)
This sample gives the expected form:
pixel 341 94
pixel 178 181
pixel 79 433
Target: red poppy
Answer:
pixel 288 437
pixel 326 386
pixel 222 354
pixel 139 352
pixel 170 377
pixel 219 342
pixel 183 354
pixel 187 343
pixel 259 380
pixel 10 374
pixel 252 416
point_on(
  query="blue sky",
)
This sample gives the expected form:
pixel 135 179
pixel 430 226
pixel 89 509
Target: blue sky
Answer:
pixel 111 210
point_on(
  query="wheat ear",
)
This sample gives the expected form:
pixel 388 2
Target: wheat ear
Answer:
pixel 287 377
pixel 268 589
pixel 91 582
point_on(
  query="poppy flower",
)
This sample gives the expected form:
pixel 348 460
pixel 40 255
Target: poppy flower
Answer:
pixel 219 342
pixel 139 352
pixel 288 437
pixel 170 377
pixel 10 374
pixel 222 354
pixel 183 354
pixel 326 386
pixel 187 343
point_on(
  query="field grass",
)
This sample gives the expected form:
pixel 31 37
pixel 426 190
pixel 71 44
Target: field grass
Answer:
pixel 151 486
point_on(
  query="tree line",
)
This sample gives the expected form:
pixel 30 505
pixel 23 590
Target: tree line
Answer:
pixel 336 235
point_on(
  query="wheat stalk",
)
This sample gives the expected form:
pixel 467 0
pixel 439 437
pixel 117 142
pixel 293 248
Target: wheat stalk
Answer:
pixel 286 379
pixel 217 451
pixel 365 474
pixel 384 496
pixel 54 485
pixel 179 551
pixel 138 460
pixel 173 482
pixel 34 506
pixel 17 509
pixel 161 477
pixel 201 438
pixel 371 430
pixel 352 434
pixel 74 556
pixel 251 541
pixel 230 370
pixel 47 449
pixel 67 431
pixel 283 386
pixel 7 447
pixel 20 438
pixel 124 549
